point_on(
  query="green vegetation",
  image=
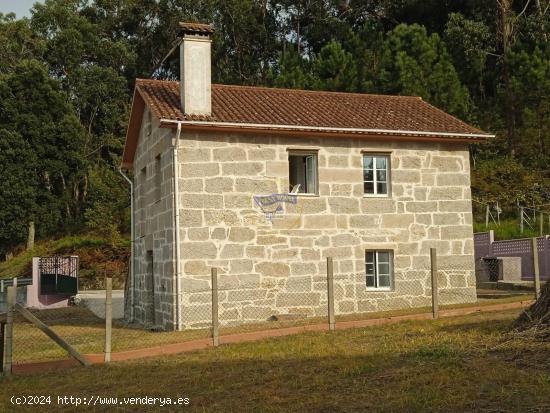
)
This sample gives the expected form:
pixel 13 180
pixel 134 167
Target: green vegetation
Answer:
pixel 98 257
pixel 451 365
pixel 67 75
pixel 509 229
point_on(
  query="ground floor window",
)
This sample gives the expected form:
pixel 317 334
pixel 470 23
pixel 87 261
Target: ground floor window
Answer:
pixel 379 269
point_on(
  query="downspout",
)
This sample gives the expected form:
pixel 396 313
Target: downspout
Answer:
pixel 176 249
pixel 132 245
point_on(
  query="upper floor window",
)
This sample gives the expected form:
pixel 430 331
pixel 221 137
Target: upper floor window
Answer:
pixel 302 172
pixel 379 269
pixel 376 174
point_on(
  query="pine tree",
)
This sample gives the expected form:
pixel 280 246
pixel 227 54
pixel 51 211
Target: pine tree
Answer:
pixel 415 63
pixel 334 69
pixel 291 70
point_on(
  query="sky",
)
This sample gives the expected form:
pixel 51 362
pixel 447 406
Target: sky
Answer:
pixel 19 7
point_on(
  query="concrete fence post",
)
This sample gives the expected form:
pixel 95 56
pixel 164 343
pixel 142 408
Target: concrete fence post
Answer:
pixel 536 269
pixel 2 343
pixel 435 292
pixel 8 354
pixel 330 294
pixel 215 320
pixel 491 240
pixel 541 223
pixel 108 317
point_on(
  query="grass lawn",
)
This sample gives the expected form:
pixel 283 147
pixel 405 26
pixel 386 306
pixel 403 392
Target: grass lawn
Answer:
pixel 451 365
pixel 86 332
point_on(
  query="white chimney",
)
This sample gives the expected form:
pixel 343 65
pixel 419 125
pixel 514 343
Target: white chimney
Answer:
pixel 195 78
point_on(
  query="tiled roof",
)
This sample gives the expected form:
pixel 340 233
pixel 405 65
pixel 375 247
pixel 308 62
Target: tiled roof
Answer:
pixel 288 107
pixel 196 28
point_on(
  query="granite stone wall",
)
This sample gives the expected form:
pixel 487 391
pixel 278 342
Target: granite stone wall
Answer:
pixel 154 291
pixel 277 267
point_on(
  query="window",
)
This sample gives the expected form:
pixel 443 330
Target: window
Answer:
pixel 379 269
pixel 158 179
pixel 376 174
pixel 302 172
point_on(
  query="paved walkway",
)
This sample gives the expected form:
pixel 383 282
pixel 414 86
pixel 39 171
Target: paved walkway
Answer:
pixel 94 300
pixel 193 345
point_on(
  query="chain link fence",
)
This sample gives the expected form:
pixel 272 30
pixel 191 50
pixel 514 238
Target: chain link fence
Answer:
pixel 357 289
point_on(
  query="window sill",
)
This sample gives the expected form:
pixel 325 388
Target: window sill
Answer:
pixel 376 196
pixel 382 290
pixel 305 195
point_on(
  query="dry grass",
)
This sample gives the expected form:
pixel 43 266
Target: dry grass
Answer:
pixel 449 365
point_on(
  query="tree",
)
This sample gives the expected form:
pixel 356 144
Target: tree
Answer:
pixel 334 69
pixel 18 189
pixel 17 42
pixel 291 70
pixel 469 43
pixel 33 105
pixel 530 89
pixel 414 63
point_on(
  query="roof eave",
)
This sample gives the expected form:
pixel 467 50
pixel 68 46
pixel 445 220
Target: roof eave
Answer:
pixel 132 133
pixel 312 130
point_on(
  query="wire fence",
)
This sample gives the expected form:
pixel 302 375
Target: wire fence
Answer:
pixel 339 290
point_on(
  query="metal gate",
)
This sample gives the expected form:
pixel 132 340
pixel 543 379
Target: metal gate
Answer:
pixel 58 275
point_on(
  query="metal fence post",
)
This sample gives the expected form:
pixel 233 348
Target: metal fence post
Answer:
pixel 330 294
pixel 521 219
pixel 108 317
pixel 8 356
pixel 215 321
pixel 435 292
pixel 536 269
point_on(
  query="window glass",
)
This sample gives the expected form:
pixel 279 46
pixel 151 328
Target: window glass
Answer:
pixel 302 173
pixel 380 162
pixel 376 173
pixel 381 188
pixel 378 269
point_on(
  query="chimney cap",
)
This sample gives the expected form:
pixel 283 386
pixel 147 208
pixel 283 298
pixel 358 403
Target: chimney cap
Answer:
pixel 196 28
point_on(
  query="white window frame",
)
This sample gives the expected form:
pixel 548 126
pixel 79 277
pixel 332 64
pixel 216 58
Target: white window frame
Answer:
pixel 377 274
pixel 304 153
pixel 374 156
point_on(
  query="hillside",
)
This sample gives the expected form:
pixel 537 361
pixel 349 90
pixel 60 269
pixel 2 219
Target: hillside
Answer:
pixel 68 73
pixel 98 257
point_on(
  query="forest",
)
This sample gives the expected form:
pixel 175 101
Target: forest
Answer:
pixel 67 75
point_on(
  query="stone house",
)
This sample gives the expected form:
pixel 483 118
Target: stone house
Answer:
pixel 265 184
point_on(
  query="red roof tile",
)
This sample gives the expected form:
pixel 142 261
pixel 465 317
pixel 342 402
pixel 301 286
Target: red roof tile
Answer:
pixel 196 28
pixel 335 110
